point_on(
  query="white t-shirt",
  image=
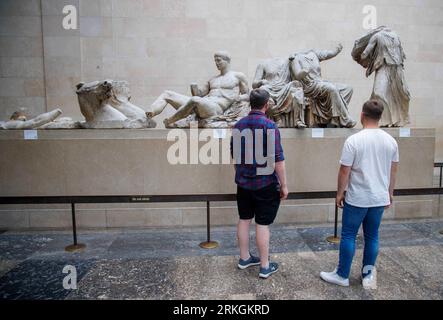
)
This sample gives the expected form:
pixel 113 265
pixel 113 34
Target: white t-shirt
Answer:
pixel 370 153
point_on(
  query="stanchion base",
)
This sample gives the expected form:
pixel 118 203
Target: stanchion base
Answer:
pixel 209 245
pixel 333 239
pixel 75 247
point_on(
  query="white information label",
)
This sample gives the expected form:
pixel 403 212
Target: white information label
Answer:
pixel 30 134
pixel 318 133
pixel 219 133
pixel 405 132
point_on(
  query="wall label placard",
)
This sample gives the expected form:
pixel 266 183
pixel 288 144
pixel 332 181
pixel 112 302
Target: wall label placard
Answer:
pixel 405 132
pixel 318 133
pixel 30 134
pixel 219 133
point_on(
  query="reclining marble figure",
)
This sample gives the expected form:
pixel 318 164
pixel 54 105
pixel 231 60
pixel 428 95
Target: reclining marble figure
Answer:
pixel 105 104
pixel 380 51
pixel 19 121
pixel 219 103
pixel 287 99
pixel 329 100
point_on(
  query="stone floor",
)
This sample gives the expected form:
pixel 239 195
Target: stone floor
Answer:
pixel 169 264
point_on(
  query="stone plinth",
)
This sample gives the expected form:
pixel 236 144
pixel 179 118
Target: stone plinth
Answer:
pixel 134 162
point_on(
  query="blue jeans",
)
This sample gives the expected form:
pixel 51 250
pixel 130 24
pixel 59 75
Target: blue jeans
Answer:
pixel 353 217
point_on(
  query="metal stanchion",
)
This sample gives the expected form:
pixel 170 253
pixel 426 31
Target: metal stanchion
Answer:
pixel 441 172
pixel 75 246
pixel 208 244
pixel 335 238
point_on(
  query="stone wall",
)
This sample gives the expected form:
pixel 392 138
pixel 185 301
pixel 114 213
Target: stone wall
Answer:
pixel 22 76
pixel 166 44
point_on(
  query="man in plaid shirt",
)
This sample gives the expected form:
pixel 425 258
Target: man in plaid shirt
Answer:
pixel 261 180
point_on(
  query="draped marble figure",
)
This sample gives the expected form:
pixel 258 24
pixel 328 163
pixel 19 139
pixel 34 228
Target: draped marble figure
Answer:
pixel 329 100
pixel 380 51
pixel 219 102
pixel 286 94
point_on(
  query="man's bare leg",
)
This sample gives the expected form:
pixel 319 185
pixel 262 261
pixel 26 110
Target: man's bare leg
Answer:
pixel 243 238
pixel 173 98
pixel 263 235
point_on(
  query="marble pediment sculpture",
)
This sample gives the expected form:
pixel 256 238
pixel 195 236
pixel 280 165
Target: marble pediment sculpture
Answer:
pixel 329 101
pixel 380 51
pixel 287 98
pixel 47 120
pixel 105 105
pixel 220 102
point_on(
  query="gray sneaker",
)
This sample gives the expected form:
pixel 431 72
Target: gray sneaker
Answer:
pixel 252 261
pixel 265 273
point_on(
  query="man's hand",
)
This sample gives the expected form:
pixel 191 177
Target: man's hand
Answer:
pixel 391 201
pixel 283 192
pixel 340 200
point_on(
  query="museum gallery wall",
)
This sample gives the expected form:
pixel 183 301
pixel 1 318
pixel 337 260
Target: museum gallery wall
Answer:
pixel 147 49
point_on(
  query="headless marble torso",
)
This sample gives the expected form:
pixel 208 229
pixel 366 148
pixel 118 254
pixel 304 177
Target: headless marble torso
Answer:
pixel 272 70
pixel 310 63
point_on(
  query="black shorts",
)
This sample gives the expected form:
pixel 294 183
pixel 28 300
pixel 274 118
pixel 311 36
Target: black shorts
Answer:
pixel 262 203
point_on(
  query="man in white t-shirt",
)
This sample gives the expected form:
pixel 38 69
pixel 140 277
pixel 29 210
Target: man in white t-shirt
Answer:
pixel 368 168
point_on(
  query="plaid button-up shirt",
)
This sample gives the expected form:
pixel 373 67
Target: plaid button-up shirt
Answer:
pixel 246 173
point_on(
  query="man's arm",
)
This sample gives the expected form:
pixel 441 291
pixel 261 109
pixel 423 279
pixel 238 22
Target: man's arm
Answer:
pixel 344 173
pixel 328 54
pixel 280 167
pixel 394 167
pixel 280 170
pixel 343 180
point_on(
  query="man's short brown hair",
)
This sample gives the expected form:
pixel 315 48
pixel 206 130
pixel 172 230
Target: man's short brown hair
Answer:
pixel 258 98
pixel 373 109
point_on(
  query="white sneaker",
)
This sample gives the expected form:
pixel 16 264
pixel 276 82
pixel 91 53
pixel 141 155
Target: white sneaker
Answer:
pixel 333 277
pixel 370 281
